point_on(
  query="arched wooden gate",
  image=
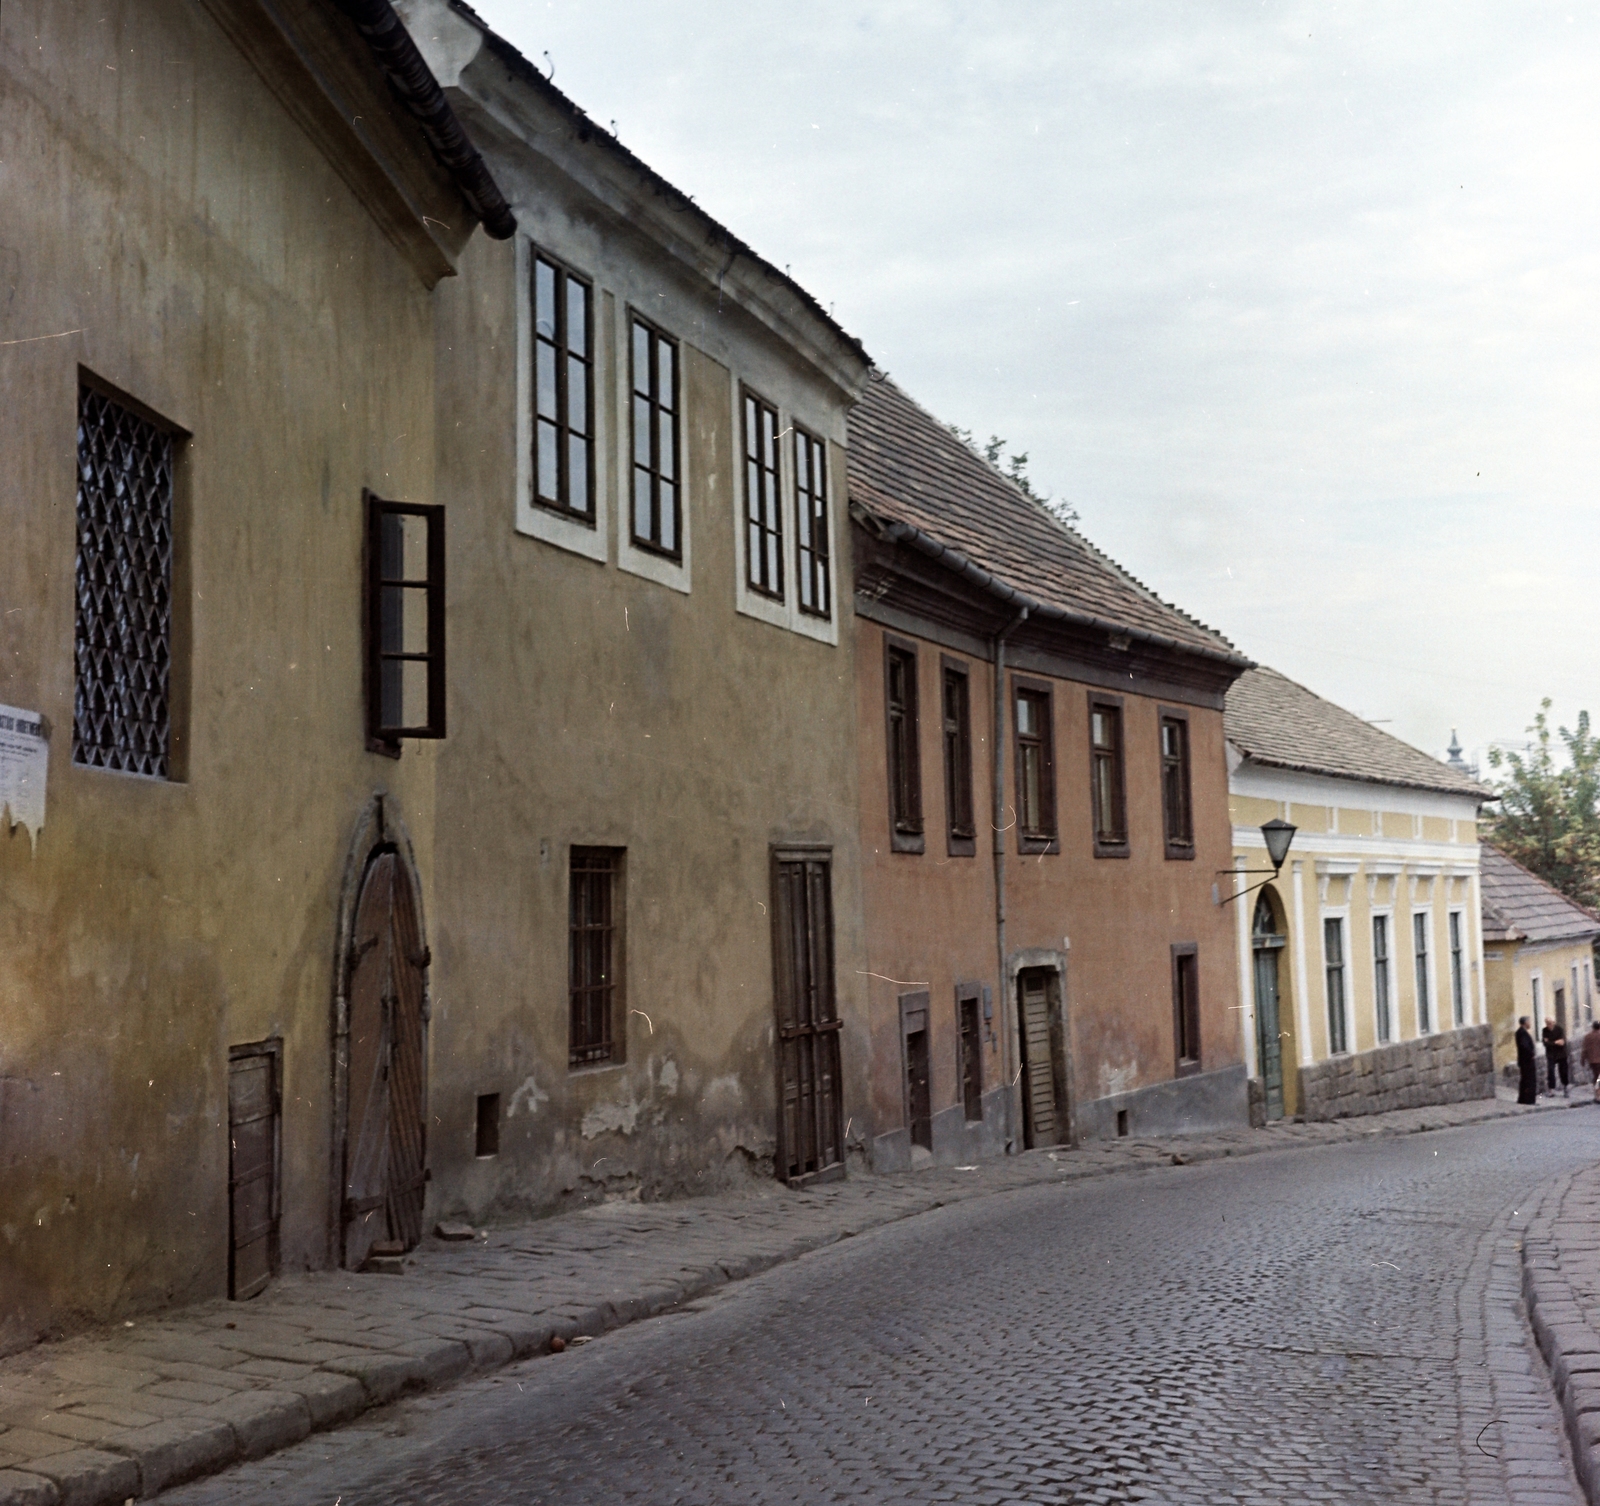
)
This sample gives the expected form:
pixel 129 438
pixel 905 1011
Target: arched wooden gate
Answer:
pixel 386 1131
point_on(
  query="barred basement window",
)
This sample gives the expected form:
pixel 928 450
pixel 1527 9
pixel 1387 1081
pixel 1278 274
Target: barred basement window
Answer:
pixel 404 623
pixel 563 384
pixel 811 520
pixel 595 1000
pixel 122 640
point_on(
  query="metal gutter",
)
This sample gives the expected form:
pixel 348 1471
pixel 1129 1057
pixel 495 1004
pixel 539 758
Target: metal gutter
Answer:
pixel 419 91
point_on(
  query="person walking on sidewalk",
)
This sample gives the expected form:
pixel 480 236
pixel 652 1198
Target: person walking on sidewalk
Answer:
pixel 1591 1056
pixel 1527 1064
pixel 1555 1056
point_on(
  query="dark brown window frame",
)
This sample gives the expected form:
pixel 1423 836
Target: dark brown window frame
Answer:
pixel 656 339
pixel 961 832
pixel 1046 836
pixel 906 827
pixel 757 551
pixel 561 344
pixel 607 1047
pixel 1105 847
pixel 969 994
pixel 384 736
pixel 813 549
pixel 1179 845
pixel 1186 1032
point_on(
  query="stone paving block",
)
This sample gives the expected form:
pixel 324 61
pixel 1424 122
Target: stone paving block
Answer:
pixel 264 1421
pixel 173 1451
pixel 20 1489
pixel 330 1399
pixel 382 1376
pixel 89 1477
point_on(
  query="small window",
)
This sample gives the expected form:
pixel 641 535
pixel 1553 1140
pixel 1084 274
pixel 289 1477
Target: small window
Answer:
pixel 405 623
pixel 657 494
pixel 1105 753
pixel 1176 812
pixel 594 954
pixel 811 522
pixel 1419 952
pixel 969 1044
pixel 962 835
pixel 763 553
pixel 1380 978
pixel 488 1138
pixel 1333 966
pixel 122 640
pixel 1458 981
pixel 1186 1005
pixel 563 387
pixel 1036 773
pixel 905 772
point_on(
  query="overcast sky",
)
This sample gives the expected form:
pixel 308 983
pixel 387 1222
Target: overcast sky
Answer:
pixel 1298 304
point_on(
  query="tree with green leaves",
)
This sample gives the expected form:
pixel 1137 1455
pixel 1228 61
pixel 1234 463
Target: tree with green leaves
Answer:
pixel 1549 816
pixel 1015 469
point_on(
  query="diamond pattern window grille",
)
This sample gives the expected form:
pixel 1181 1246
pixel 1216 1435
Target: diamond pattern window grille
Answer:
pixel 121 715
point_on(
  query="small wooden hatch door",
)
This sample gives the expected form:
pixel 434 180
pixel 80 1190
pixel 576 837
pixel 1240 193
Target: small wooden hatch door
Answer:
pixel 918 1063
pixel 810 1137
pixel 255 1102
pixel 1041 1116
pixel 386 1142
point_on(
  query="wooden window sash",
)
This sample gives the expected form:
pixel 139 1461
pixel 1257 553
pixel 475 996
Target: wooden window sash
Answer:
pixel 904 762
pixel 813 560
pixel 1107 780
pixel 656 459
pixel 956 716
pixel 1035 768
pixel 387 585
pixel 564 434
pixel 763 498
pixel 1177 805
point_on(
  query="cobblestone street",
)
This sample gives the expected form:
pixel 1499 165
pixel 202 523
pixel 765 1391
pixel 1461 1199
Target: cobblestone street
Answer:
pixel 1332 1324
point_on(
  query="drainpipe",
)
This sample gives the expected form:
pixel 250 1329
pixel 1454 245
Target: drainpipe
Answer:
pixel 1008 1024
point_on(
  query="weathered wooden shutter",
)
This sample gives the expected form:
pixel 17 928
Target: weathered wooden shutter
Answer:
pixel 1038 1073
pixel 253 1108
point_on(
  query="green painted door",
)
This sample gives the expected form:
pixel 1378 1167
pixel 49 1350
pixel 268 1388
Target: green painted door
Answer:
pixel 1269 1041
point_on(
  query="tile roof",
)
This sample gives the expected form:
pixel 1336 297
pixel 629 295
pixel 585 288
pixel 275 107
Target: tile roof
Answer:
pixel 1272 720
pixel 907 468
pixel 1520 906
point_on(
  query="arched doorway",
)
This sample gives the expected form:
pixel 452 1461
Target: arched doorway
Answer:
pixel 1266 948
pixel 385 1120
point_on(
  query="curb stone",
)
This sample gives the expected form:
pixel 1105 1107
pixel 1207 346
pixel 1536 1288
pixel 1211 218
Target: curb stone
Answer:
pixel 306 1361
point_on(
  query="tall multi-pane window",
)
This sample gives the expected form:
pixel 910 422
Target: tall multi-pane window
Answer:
pixel 1105 773
pixel 563 384
pixel 1333 970
pixel 1380 976
pixel 1036 778
pixel 1419 952
pixel 958 762
pixel 656 490
pixel 594 956
pixel 122 643
pixel 763 549
pixel 905 772
pixel 1176 813
pixel 811 523
pixel 405 669
pixel 1458 979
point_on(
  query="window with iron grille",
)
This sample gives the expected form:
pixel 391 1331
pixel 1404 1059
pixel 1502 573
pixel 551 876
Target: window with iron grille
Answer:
pixel 962 837
pixel 811 523
pixel 763 550
pixel 1177 814
pixel 1186 1005
pixel 1458 972
pixel 905 769
pixel 1419 953
pixel 122 640
pixel 563 360
pixel 404 623
pixel 1333 978
pixel 1380 977
pixel 1036 770
pixel 594 955
pixel 657 493
pixel 1106 778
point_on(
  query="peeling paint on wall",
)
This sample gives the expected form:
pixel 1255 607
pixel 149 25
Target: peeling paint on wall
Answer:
pixel 723 1093
pixel 603 1117
pixel 1115 1079
pixel 667 1078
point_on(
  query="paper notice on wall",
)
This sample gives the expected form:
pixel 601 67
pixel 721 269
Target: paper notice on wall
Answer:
pixel 24 761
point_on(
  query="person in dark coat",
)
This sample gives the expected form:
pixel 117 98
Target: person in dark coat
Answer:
pixel 1591 1056
pixel 1527 1064
pixel 1555 1056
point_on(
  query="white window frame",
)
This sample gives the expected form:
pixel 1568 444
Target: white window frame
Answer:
pixel 1385 913
pixel 1432 971
pixel 1340 913
pixel 531 519
pixel 675 574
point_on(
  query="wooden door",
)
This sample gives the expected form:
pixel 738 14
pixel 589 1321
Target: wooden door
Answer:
pixel 254 1106
pixel 810 1137
pixel 1269 1036
pixel 918 1068
pixel 1040 1119
pixel 386 1141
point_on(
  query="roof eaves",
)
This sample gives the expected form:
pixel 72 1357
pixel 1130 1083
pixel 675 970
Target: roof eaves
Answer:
pixel 1477 792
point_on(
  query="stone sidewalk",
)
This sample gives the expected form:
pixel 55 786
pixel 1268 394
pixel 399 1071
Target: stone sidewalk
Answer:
pixel 124 1413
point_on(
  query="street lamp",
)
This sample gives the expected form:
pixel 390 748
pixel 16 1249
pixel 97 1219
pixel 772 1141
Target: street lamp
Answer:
pixel 1277 835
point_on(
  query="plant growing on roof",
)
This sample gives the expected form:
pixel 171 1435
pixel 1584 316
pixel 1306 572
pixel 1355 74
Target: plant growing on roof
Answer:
pixel 1015 469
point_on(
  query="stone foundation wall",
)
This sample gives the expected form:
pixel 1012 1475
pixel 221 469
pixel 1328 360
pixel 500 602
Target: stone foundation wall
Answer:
pixel 1450 1067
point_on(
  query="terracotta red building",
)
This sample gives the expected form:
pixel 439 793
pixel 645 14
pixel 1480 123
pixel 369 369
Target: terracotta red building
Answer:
pixel 1044 813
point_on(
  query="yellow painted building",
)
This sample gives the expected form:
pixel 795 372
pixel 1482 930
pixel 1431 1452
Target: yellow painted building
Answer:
pixel 1538 957
pixel 1370 934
